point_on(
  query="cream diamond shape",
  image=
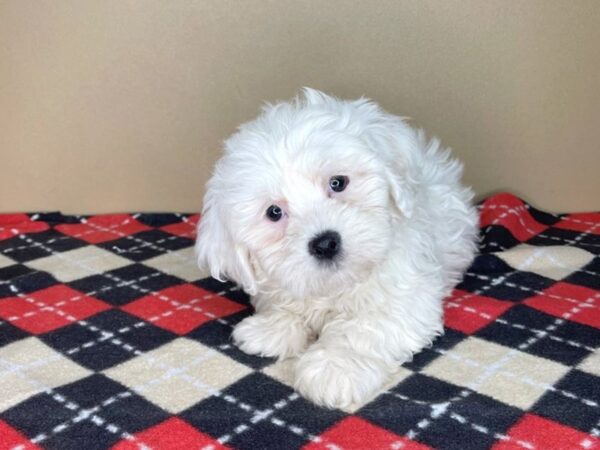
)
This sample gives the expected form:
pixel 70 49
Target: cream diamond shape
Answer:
pixel 179 374
pixel 180 263
pixel 591 364
pixel 283 371
pixel 79 263
pixel 5 262
pixel 518 379
pixel 555 261
pixel 28 367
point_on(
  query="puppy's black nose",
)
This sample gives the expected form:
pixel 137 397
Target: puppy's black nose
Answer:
pixel 325 245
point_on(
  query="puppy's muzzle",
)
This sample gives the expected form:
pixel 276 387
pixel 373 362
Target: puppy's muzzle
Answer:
pixel 326 245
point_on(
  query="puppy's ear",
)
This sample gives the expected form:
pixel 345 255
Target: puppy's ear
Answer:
pixel 394 143
pixel 401 191
pixel 217 249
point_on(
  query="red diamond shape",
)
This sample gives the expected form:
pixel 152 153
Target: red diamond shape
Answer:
pixel 172 434
pixel 182 308
pixel 510 212
pixel 469 313
pixel 584 222
pixel 354 432
pixel 49 309
pixel 103 228
pixel 14 224
pixel 495 206
pixel 185 228
pixel 536 432
pixel 575 303
pixel 11 438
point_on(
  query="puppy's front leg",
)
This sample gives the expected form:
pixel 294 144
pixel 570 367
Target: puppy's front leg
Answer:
pixel 348 364
pixel 278 334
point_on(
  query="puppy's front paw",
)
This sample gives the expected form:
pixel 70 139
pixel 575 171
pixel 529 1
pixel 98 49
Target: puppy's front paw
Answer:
pixel 276 336
pixel 338 378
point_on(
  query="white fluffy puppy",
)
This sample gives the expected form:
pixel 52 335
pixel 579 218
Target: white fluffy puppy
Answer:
pixel 347 227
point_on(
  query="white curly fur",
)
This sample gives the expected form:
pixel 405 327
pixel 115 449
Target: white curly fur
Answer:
pixel 407 227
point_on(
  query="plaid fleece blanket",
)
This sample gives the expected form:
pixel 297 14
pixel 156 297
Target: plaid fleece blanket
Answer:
pixel 110 337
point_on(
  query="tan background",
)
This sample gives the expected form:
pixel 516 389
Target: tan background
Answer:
pixel 122 105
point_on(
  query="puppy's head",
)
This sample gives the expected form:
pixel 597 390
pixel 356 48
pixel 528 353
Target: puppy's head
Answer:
pixel 305 197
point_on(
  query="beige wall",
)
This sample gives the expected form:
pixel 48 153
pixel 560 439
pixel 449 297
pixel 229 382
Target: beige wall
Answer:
pixel 114 105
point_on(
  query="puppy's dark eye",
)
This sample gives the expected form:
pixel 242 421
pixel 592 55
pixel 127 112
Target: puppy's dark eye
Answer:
pixel 338 183
pixel 274 213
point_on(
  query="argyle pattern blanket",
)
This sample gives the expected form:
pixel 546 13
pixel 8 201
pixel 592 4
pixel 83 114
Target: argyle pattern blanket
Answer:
pixel 110 337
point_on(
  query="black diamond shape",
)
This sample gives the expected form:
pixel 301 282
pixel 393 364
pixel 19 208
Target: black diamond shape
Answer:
pixel 544 217
pixel 259 390
pixel 14 271
pixel 27 247
pixel 514 336
pixel 579 407
pixel 426 389
pixel 146 244
pixel 218 417
pixel 28 283
pixel 440 405
pixel 126 284
pixel 38 415
pixel 55 217
pixel 495 238
pixel 445 342
pixel 265 435
pixel 11 274
pixel 229 289
pixel 490 265
pixel 448 432
pixel 544 345
pixel 485 270
pixel 398 415
pixel 309 416
pixel 9 333
pixel 216 335
pixel 107 346
pixel 584 340
pixel 299 414
pixel 516 287
pixel 158 220
pixel 559 236
pixel 588 275
pixel 43 412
